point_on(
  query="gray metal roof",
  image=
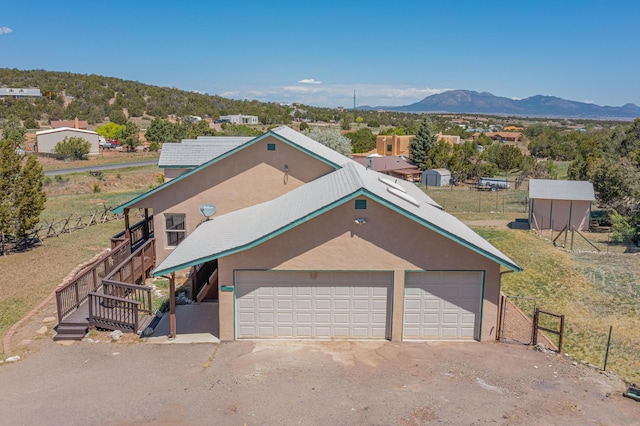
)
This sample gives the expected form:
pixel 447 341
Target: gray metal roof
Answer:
pixel 311 146
pixel 194 152
pixel 241 230
pixel 548 189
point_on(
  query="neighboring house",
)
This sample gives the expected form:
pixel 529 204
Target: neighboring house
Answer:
pixel 395 166
pixel 240 119
pixel 17 92
pixel 556 204
pixel 436 177
pixel 75 124
pixel 307 243
pixel 502 136
pixel 177 158
pixel 46 140
pixel 450 139
pixel 393 145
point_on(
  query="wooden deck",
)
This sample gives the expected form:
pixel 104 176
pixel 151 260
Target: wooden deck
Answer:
pixel 119 301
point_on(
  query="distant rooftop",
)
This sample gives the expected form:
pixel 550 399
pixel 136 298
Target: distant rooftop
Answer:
pixel 577 190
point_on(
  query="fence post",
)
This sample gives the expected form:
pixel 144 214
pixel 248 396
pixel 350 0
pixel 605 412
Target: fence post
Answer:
pixel 536 316
pixel 606 355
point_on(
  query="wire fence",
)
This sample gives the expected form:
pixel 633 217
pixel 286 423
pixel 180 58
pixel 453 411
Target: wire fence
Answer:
pixel 469 199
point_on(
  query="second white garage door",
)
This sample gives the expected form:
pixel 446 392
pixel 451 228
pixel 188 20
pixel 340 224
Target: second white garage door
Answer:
pixel 442 305
pixel 311 305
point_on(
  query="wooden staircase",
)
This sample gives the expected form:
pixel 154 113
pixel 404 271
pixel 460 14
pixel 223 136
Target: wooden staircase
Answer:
pixel 105 294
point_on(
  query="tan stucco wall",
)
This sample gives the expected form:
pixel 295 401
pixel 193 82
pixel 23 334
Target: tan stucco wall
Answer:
pixel 387 242
pixel 48 141
pixel 251 176
pixel 399 145
pixel 557 216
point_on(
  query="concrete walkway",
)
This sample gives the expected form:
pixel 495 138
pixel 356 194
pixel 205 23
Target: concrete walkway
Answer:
pixel 197 323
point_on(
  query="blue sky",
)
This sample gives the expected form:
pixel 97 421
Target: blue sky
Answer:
pixel 318 53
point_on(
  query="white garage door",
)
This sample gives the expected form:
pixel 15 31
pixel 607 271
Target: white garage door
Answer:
pixel 312 305
pixel 442 305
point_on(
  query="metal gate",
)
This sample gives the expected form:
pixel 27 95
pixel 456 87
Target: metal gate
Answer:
pixel 516 324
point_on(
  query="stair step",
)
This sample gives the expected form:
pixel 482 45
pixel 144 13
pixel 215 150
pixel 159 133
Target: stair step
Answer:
pixel 59 336
pixel 73 329
pixel 74 324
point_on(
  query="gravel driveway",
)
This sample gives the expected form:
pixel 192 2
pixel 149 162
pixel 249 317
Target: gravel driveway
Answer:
pixel 309 383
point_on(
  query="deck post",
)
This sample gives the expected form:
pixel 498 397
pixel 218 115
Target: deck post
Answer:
pixel 145 228
pixel 172 305
pixel 127 227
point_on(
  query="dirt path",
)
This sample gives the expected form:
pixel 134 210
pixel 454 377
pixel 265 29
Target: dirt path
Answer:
pixel 290 382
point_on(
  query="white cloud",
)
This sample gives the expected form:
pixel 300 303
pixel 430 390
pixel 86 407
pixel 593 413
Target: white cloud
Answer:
pixel 309 81
pixel 5 30
pixel 333 95
pixel 588 101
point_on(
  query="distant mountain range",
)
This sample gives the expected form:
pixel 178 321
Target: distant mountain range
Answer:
pixel 470 102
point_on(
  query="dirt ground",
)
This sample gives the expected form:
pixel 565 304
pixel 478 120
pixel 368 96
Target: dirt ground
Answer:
pixel 311 383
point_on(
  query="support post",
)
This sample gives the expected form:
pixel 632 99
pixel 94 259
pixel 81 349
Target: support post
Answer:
pixel 127 227
pixel 172 306
pixel 145 228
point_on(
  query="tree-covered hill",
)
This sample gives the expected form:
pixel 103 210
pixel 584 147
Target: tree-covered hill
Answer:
pixel 94 97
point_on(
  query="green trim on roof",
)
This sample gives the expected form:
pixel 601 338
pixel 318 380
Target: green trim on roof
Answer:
pixel 120 209
pixel 353 195
pixel 262 239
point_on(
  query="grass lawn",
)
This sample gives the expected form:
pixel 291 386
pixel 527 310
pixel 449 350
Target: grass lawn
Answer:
pixel 28 278
pixel 593 291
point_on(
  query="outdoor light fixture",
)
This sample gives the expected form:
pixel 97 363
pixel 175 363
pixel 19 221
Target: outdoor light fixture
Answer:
pixel 286 168
pixel 360 221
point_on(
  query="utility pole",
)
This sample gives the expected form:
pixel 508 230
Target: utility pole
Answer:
pixel 354 99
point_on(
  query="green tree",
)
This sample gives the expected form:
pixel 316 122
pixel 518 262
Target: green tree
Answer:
pixel 508 157
pixel 362 140
pixel 72 148
pixel 131 135
pixel 304 126
pixel 12 130
pixel 332 139
pixel 420 147
pixel 22 186
pixel 110 131
pixel 30 196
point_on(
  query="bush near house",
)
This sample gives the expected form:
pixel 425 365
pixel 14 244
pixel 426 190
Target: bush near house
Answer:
pixel 72 148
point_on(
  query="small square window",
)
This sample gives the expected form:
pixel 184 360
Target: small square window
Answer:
pixel 271 147
pixel 389 148
pixel 361 204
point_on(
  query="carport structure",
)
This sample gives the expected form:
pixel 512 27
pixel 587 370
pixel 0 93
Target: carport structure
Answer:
pixel 350 255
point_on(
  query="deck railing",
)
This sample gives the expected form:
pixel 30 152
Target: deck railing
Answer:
pixel 138 293
pixel 113 313
pixel 138 232
pixel 70 296
pixel 133 269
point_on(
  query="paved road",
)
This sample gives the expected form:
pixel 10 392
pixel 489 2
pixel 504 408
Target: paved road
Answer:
pixel 103 167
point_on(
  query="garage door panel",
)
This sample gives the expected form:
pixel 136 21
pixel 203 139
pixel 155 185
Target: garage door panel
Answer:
pixel 312 304
pixel 442 305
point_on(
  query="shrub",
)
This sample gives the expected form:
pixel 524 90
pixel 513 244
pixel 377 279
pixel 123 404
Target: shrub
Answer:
pixel 154 146
pixel 96 188
pixel 73 148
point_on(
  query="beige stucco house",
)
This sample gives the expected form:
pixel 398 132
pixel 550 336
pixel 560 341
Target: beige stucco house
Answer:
pixel 560 204
pixel 309 244
pixel 46 140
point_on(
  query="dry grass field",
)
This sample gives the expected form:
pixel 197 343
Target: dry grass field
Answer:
pixel 105 157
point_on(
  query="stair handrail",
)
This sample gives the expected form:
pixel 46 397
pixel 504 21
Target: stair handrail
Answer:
pixel 72 294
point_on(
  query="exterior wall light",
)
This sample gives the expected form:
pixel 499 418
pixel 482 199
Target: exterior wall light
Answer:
pixel 360 221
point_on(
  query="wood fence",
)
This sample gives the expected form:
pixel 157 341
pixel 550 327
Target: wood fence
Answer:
pixel 54 228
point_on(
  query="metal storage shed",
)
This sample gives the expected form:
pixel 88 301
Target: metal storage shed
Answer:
pixel 436 177
pixel 556 204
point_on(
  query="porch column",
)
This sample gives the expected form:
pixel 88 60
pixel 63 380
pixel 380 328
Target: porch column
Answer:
pixel 127 227
pixel 172 305
pixel 145 228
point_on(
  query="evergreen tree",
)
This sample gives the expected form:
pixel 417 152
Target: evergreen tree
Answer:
pixel 12 130
pixel 9 172
pixel 30 196
pixel 421 146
